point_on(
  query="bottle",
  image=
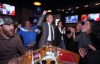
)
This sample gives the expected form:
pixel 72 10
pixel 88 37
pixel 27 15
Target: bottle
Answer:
pixel 32 59
pixel 47 47
pixel 55 53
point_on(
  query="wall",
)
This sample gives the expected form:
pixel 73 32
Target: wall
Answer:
pixel 26 13
pixel 17 16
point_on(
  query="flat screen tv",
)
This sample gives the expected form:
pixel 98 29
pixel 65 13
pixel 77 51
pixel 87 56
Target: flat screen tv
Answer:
pixel 94 16
pixel 7 9
pixel 71 19
pixel 84 17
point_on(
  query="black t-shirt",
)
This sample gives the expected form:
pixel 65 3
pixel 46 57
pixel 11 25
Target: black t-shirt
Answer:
pixel 72 45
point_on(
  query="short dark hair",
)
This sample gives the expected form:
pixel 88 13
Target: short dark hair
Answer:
pixel 81 22
pixel 59 21
pixel 26 21
pixel 47 15
pixel 44 62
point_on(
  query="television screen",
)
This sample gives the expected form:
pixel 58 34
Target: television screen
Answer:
pixel 7 9
pixel 84 17
pixel 71 19
pixel 94 16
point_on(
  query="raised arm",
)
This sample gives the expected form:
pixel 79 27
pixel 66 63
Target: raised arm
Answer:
pixel 41 18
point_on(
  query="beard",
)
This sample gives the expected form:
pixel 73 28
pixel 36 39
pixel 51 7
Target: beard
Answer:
pixel 9 33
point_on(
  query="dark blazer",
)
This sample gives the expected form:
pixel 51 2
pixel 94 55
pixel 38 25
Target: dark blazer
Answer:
pixel 45 31
pixel 58 36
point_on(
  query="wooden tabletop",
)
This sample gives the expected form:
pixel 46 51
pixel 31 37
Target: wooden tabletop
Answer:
pixel 27 59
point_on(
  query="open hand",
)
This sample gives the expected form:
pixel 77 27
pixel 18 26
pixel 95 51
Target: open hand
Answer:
pixel 82 52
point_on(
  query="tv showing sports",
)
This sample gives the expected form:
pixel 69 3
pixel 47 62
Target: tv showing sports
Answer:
pixel 94 16
pixel 71 19
pixel 7 9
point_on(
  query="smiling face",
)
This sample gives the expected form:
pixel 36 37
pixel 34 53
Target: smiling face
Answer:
pixel 27 24
pixel 79 26
pixel 88 25
pixel 49 18
pixel 8 30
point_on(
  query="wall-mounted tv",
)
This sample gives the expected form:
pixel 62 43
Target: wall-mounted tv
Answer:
pixel 94 16
pixel 71 19
pixel 7 9
pixel 84 17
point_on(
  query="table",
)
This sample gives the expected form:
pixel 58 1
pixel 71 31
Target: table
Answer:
pixel 27 59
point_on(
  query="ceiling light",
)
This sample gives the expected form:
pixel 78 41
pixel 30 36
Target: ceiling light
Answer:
pixel 66 12
pixel 37 3
pixel 77 7
pixel 86 5
pixel 97 4
pixel 62 10
pixel 49 10
pixel 69 9
pixel 72 12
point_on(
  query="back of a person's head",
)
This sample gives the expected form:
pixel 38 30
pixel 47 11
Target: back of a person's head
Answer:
pixel 52 62
pixel 81 22
pixel 44 62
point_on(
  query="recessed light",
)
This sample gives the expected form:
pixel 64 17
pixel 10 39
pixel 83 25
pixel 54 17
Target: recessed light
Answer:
pixel 49 10
pixel 77 7
pixel 97 4
pixel 69 9
pixel 37 3
pixel 62 10
pixel 72 12
pixel 66 12
pixel 86 5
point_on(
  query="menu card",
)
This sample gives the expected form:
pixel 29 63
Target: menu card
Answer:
pixel 67 57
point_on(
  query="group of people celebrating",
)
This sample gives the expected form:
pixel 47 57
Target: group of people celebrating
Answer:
pixel 76 39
